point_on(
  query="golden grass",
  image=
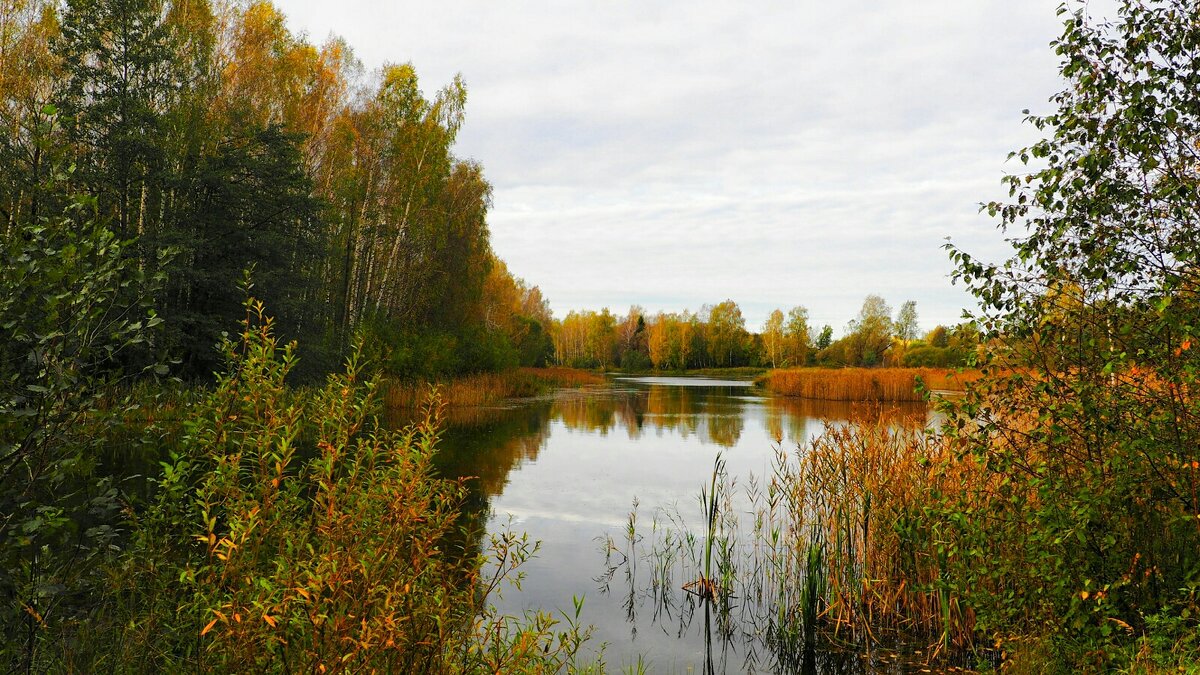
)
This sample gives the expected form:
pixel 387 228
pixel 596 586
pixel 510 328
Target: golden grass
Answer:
pixel 864 384
pixel 488 388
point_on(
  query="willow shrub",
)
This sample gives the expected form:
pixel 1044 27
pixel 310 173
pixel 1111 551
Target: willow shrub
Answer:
pixel 294 533
pixel 76 324
pixel 1088 417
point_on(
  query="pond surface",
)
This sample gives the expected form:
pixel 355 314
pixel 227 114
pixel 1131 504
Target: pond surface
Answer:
pixel 569 469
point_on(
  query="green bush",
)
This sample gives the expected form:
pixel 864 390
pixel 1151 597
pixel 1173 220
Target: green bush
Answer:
pixel 74 316
pixel 635 361
pixel 933 357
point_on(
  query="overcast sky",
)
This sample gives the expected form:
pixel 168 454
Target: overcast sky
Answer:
pixel 672 154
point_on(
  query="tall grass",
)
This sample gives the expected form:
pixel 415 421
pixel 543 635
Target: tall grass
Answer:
pixel 707 586
pixel 834 545
pixel 863 384
pixel 838 534
pixel 487 388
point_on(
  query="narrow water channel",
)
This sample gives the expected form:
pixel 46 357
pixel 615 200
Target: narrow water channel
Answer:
pixel 570 468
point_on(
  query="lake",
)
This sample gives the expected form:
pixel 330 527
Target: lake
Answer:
pixel 570 468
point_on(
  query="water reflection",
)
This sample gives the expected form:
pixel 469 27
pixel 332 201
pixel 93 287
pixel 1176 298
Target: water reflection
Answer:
pixel 569 469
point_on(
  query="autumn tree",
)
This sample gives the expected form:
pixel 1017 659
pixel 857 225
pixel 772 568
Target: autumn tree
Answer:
pixel 602 337
pixel 796 337
pixel 658 341
pixel 906 321
pixel 870 333
pixel 1088 421
pixel 773 340
pixel 31 142
pixel 725 334
pixel 672 340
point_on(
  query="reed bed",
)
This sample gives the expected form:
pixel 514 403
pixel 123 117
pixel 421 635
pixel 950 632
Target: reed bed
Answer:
pixel 864 384
pixel 833 546
pixel 840 544
pixel 488 388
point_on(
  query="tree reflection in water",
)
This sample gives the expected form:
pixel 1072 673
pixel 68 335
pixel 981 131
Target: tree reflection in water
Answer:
pixel 489 446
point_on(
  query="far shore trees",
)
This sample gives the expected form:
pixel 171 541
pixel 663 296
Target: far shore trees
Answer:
pixel 716 337
pixel 797 338
pixel 772 337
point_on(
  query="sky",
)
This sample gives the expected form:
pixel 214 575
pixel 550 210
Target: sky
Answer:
pixel 672 154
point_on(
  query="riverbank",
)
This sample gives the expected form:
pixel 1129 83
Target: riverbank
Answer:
pixel 489 388
pixel 740 373
pixel 864 384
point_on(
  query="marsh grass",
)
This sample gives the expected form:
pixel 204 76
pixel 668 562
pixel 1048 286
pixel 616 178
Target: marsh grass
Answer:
pixel 707 586
pixel 836 527
pixel 864 384
pixel 830 547
pixel 488 388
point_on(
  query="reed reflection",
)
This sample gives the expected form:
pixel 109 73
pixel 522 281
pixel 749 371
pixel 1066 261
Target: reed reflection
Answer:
pixel 795 420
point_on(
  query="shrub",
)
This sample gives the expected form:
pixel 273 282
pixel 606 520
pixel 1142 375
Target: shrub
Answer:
pixel 635 361
pixel 294 533
pixel 74 313
pixel 933 357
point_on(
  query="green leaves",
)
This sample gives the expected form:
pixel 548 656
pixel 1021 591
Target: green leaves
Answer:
pixel 71 308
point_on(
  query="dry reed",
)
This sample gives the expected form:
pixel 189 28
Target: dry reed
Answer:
pixel 850 503
pixel 864 384
pixel 836 541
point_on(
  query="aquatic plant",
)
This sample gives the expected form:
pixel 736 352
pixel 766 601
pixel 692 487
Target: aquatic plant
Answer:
pixel 834 546
pixel 707 586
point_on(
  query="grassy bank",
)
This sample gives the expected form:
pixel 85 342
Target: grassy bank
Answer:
pixel 863 384
pixel 739 373
pixel 486 388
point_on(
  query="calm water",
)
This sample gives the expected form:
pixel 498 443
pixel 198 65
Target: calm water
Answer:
pixel 568 469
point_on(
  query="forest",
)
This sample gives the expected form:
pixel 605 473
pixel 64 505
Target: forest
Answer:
pixel 221 246
pixel 221 151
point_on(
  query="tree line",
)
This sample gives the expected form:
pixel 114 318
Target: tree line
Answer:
pixel 219 144
pixel 716 337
